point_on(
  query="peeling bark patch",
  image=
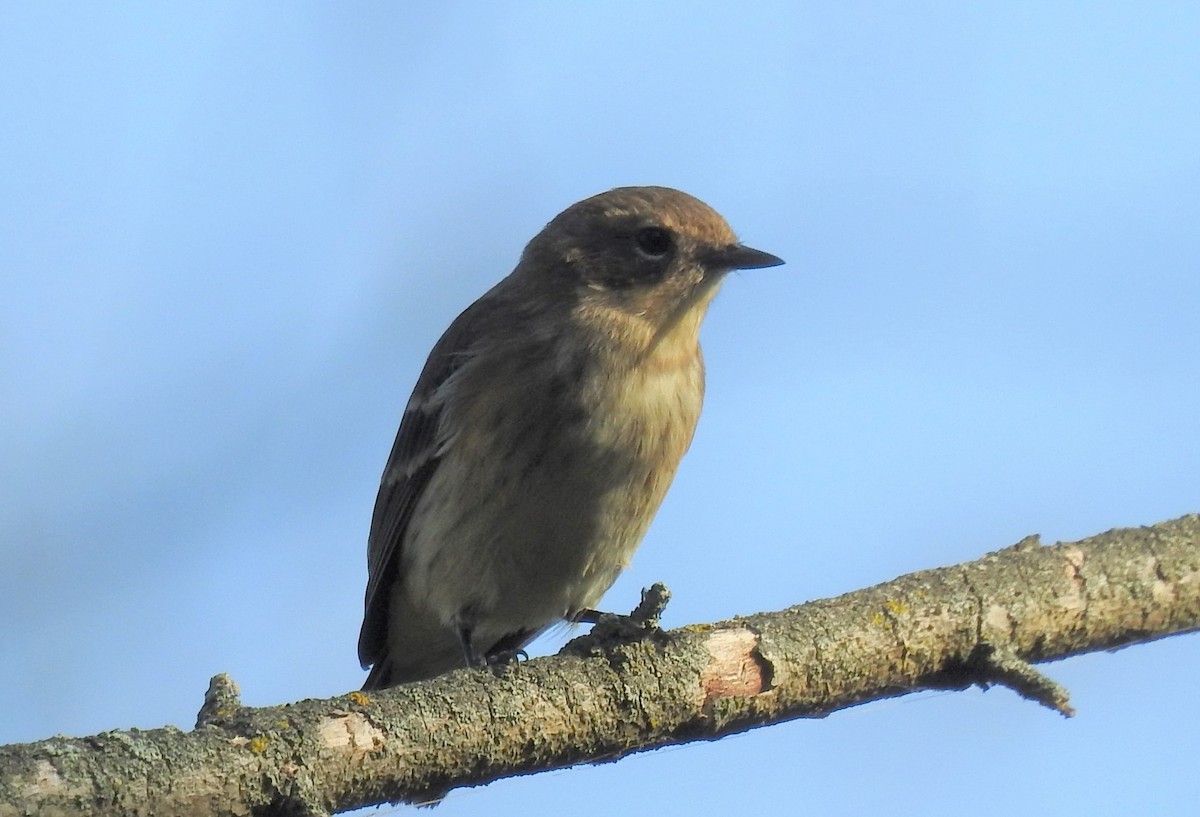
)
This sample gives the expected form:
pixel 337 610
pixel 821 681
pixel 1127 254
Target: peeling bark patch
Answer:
pixel 736 668
pixel 350 729
pixel 1076 597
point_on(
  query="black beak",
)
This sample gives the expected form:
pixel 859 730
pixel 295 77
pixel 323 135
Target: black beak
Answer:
pixel 739 256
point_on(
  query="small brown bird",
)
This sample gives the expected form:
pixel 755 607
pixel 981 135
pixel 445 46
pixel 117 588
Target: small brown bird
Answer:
pixel 543 433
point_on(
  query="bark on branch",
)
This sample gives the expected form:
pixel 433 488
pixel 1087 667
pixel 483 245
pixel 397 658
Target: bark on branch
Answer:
pixel 622 690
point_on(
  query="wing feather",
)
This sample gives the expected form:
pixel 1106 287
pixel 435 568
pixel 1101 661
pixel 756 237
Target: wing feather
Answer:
pixel 413 461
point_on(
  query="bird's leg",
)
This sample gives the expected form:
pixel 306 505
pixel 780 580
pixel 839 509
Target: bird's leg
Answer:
pixel 465 630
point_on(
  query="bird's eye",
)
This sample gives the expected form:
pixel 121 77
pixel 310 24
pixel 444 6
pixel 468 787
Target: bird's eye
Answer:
pixel 654 242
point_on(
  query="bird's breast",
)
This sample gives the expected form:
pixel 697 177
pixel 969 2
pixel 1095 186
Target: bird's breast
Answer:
pixel 550 480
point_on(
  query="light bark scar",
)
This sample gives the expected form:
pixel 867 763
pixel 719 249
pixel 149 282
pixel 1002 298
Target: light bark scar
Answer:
pixel 46 781
pixel 1162 591
pixel 350 730
pixel 997 619
pixel 735 668
pixel 1074 598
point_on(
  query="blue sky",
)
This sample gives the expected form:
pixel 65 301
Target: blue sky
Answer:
pixel 230 234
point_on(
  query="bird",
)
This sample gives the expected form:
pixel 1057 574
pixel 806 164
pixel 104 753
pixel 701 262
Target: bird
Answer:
pixel 543 433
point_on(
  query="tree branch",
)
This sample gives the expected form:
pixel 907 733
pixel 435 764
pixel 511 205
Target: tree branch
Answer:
pixel 627 687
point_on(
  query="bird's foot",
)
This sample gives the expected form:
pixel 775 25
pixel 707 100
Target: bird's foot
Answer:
pixel 509 650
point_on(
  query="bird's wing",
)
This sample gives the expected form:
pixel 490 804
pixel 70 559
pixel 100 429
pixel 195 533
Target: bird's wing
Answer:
pixel 414 458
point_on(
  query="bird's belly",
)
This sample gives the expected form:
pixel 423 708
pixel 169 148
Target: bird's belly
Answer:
pixel 541 527
pixel 520 557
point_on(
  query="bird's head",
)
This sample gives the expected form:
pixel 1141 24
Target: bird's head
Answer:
pixel 651 253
